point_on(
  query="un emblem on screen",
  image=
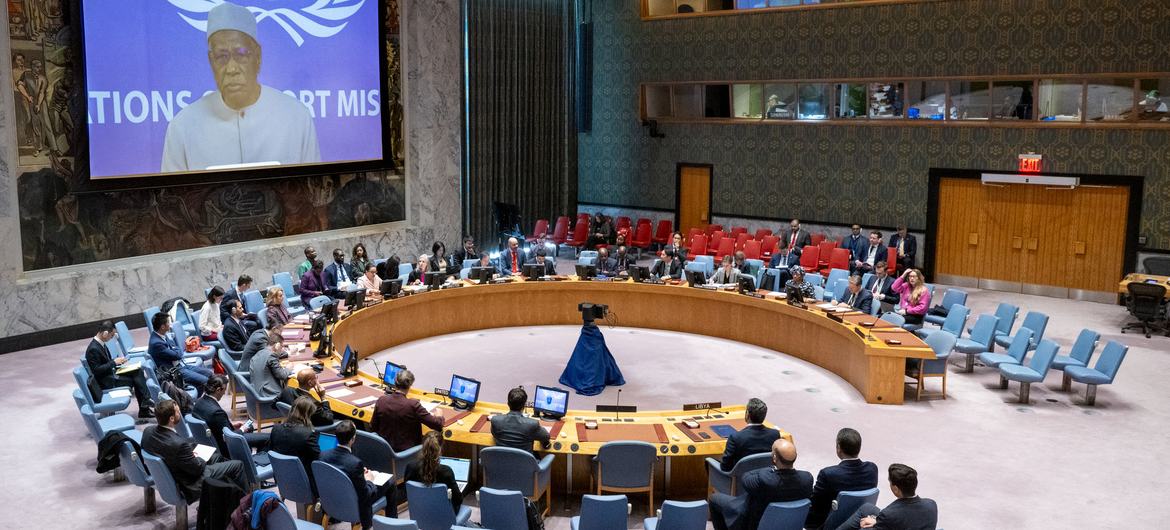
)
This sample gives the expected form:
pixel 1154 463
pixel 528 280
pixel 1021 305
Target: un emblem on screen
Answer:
pixel 321 19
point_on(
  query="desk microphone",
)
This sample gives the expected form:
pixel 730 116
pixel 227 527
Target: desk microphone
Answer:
pixel 617 409
pixel 381 377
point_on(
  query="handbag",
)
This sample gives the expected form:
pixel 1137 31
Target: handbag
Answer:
pixel 193 344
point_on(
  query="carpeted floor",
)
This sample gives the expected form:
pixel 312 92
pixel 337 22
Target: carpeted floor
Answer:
pixel 988 461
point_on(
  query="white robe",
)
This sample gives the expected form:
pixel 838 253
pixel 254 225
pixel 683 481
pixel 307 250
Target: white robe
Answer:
pixel 277 129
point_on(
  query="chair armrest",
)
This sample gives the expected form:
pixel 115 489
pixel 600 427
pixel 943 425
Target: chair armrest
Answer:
pixel 713 465
pixel 545 463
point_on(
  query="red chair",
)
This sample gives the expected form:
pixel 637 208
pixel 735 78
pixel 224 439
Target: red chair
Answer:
pixel 713 243
pixel 641 239
pixel 817 238
pixel 698 246
pixel 740 239
pixel 751 249
pixel 538 231
pixel 737 230
pixel 622 222
pixel 838 259
pixel 662 235
pixel 810 258
pixel 561 230
pixel 892 260
pixel 691 235
pixel 580 235
pixel 726 247
pixel 643 221
pixel 761 233
pixel 827 250
pixel 712 228
pixel 768 247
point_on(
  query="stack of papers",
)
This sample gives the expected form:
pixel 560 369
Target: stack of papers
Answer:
pixel 379 478
pixel 204 451
pixel 365 401
pixel 128 367
pixel 120 393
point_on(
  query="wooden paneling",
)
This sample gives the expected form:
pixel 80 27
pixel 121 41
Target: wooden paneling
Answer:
pixel 1098 225
pixel 694 197
pixel 959 239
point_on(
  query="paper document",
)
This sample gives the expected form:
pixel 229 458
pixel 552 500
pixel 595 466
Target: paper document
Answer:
pixel 379 478
pixel 290 333
pixel 365 401
pixel 430 407
pixel 204 451
pixel 128 367
pixel 120 393
pixel 340 393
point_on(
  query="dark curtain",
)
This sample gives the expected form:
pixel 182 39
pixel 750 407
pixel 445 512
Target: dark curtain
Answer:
pixel 521 142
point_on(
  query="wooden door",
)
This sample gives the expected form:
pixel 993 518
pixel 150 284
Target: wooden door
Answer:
pixel 694 196
pixel 1096 237
pixel 959 228
pixel 1045 235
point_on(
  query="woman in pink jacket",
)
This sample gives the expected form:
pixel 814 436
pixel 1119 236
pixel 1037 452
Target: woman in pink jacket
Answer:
pixel 911 286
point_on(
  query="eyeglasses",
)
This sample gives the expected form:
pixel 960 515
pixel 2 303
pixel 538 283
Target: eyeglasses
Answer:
pixel 221 57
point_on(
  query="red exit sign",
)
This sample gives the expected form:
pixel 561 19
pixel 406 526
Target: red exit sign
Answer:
pixel 1031 163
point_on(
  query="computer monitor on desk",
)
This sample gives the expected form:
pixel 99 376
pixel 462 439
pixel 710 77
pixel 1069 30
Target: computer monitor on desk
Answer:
pixel 533 271
pixel 550 402
pixel 391 373
pixel 638 273
pixel 585 272
pixel 464 392
pixel 696 278
pixel 348 363
pixel 391 288
pixel 435 279
pixel 354 299
pixel 482 275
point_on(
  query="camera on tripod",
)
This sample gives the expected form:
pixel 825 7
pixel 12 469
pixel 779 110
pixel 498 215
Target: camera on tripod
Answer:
pixel 590 312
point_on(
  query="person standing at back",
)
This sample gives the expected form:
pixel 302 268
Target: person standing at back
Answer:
pixel 399 419
pixel 797 237
pixel 514 429
pixel 907 512
pixel 760 487
pixel 753 439
pixel 851 474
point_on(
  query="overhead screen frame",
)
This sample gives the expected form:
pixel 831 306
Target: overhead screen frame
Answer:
pixel 86 184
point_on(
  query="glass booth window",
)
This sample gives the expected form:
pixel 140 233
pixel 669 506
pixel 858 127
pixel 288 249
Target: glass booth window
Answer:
pixel 886 100
pixel 814 102
pixel 1109 100
pixel 1154 100
pixel 850 100
pixel 688 101
pixel 1012 100
pixel 970 100
pixel 781 101
pixel 717 101
pixel 747 101
pixel 657 101
pixel 927 100
pixel 1060 99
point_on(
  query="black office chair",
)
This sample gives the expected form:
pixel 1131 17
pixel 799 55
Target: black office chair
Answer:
pixel 1157 265
pixel 1146 303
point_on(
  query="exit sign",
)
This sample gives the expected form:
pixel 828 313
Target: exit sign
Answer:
pixel 1031 163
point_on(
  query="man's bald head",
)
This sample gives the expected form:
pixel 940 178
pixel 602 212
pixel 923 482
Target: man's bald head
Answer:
pixel 783 453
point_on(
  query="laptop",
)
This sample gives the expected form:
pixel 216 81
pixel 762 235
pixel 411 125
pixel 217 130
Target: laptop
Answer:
pixel 326 441
pixel 460 467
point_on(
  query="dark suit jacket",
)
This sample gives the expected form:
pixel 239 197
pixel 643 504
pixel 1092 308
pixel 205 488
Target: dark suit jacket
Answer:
pixel 332 277
pixel 911 244
pixel 342 458
pixel 505 263
pixel 322 416
pixel 101 364
pixel 887 290
pixel 914 513
pixel 784 261
pixel 235 334
pixel 299 441
pixel 208 409
pixel 849 475
pixel 762 487
pixel 607 266
pixel 313 285
pixel 178 454
pixel 749 441
pixel 549 268
pixel 399 419
pixel 225 312
pixel 862 302
pixel 163 351
pixel 663 271
pixel 515 430
pixel 857 247
pixel 803 239
pixel 620 264
pixel 882 253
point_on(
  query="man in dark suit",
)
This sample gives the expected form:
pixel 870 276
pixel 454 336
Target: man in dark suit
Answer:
pixel 166 354
pixel 104 369
pixel 178 454
pixel 782 261
pixel 797 237
pixel 243 285
pixel 515 430
pixel 779 483
pixel 605 264
pixel 668 265
pixel 467 252
pixel 257 341
pixel 851 474
pixel 753 439
pixel 622 260
pixel 854 242
pixel 307 386
pixel 342 458
pixel 512 259
pixel 907 247
pixel 542 259
pixel 236 328
pixel 881 285
pixel 907 512
pixel 856 297
pixel 207 409
pixel 399 419
pixel 872 253
pixel 337 275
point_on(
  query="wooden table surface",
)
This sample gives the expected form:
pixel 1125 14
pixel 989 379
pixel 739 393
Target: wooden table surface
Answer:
pixel 1123 285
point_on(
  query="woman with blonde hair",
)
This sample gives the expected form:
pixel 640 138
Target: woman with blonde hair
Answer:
pixel 428 470
pixel 274 302
pixel 915 297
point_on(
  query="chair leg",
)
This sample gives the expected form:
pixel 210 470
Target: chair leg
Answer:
pixel 944 383
pixel 1002 383
pixel 1025 392
pixel 148 500
pixel 970 366
pixel 918 397
pixel 1090 395
pixel 181 517
pixel 1065 383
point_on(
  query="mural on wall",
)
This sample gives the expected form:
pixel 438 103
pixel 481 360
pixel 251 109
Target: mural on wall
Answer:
pixel 59 227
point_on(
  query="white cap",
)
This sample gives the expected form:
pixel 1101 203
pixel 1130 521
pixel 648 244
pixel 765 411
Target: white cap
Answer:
pixel 231 16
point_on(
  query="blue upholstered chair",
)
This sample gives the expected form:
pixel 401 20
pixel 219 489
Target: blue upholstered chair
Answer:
pixel 1079 355
pixel 981 340
pixel 167 488
pixel 586 260
pixel 588 254
pixel 148 314
pixel 263 318
pixel 728 482
pixel 679 515
pixel 233 367
pixel 950 299
pixel 814 279
pixel 203 355
pixel 126 340
pixel 1015 352
pixel 941 344
pixel 501 508
pixel 376 453
pixel 338 499
pixel 239 449
pixel 785 515
pixel 404 270
pixel 1007 318
pixel 1034 371
pixel 707 261
pixel 894 318
pixel 261 410
pixel 626 467
pixel 198 430
pixel 431 509
pixel 292 481
pixel 1034 321
pixel 755 268
pixel 1102 373
pixel 696 266
pixel 136 473
pixel 390 523
pixel 831 281
pixel 601 512
pixel 183 318
pixel 253 301
pixel 847 503
pixel 292 300
pixel 507 468
pixel 838 291
pixel 316 302
pixel 99 427
pixel 955 322
pixel 108 404
pixel 282 519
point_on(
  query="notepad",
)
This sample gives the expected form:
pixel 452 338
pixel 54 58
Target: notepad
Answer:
pixel 365 401
pixel 120 393
pixel 290 333
pixel 379 478
pixel 340 393
pixel 826 306
pixel 127 368
pixel 430 407
pixel 204 451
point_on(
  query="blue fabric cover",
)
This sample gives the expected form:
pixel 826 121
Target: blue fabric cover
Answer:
pixel 592 367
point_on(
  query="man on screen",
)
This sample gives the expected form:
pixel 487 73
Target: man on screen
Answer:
pixel 242 121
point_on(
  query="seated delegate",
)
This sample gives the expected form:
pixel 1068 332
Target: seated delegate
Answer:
pixel 516 430
pixel 428 470
pixel 907 512
pixel 754 438
pixel 780 482
pixel 104 369
pixel 166 354
pixel 850 474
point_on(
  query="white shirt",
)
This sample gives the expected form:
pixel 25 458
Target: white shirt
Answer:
pixel 209 318
pixel 277 128
pixel 872 256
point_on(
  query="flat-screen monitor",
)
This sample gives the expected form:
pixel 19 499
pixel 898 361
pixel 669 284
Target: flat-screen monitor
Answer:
pixel 464 391
pixel 391 288
pixel 391 373
pixel 793 295
pixel 551 402
pixel 329 310
pixel 186 91
pixel 638 273
pixel 532 271
pixel 586 271
pixel 355 299
pixel 326 441
pixel 481 274
pixel 435 279
pixel 746 283
pixel 347 360
pixel 696 278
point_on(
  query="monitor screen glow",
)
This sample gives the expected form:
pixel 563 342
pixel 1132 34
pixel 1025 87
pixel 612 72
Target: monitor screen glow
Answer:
pixel 464 389
pixel 550 400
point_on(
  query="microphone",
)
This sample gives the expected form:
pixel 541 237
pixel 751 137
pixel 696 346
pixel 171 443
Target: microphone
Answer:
pixel 377 371
pixel 617 409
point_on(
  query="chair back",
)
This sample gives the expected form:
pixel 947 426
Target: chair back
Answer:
pixel 149 316
pixel 587 260
pixel 1110 359
pixel 508 468
pixel 258 408
pixel 540 229
pixel 429 506
pixel 1159 265
pixel 291 479
pixel 622 221
pixel 388 523
pixel 1007 318
pixel 894 318
pixel 588 254
pixel 132 466
pixel 698 245
pixel 580 232
pixel 317 301
pixel 284 280
pixel 810 257
pixel 262 316
pixel 1082 349
pixel 785 515
pixel 892 263
pixel 741 239
pixel 641 236
pixel 837 274
pixel 282 519
pixel 827 247
pixel 338 498
pixel 749 463
pixel 124 338
pixel 712 228
pixel 707 261
pixel 626 464
pixel 956 319
pixel 984 330
pixel 184 428
pixel 560 229
pixel 751 249
pixel 253 301
pixel 737 230
pixel 1041 360
pixel 663 231
pixel 1145 300
pixel 91 422
pixel 696 266
pixel 954 296
pixel 814 279
pixel 838 257
pixel 164 482
pixel 603 512
pixel 761 233
pixel 1035 321
pixel 839 287
pixel 847 504
pixel 238 449
pixel 768 245
pixel 502 509
pixel 726 247
pixel 714 240
pixel 81 375
pixel 679 515
pixel 941 344
pixel 374 451
pixel 1019 346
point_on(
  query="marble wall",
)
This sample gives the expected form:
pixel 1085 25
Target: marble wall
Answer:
pixel 48 299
